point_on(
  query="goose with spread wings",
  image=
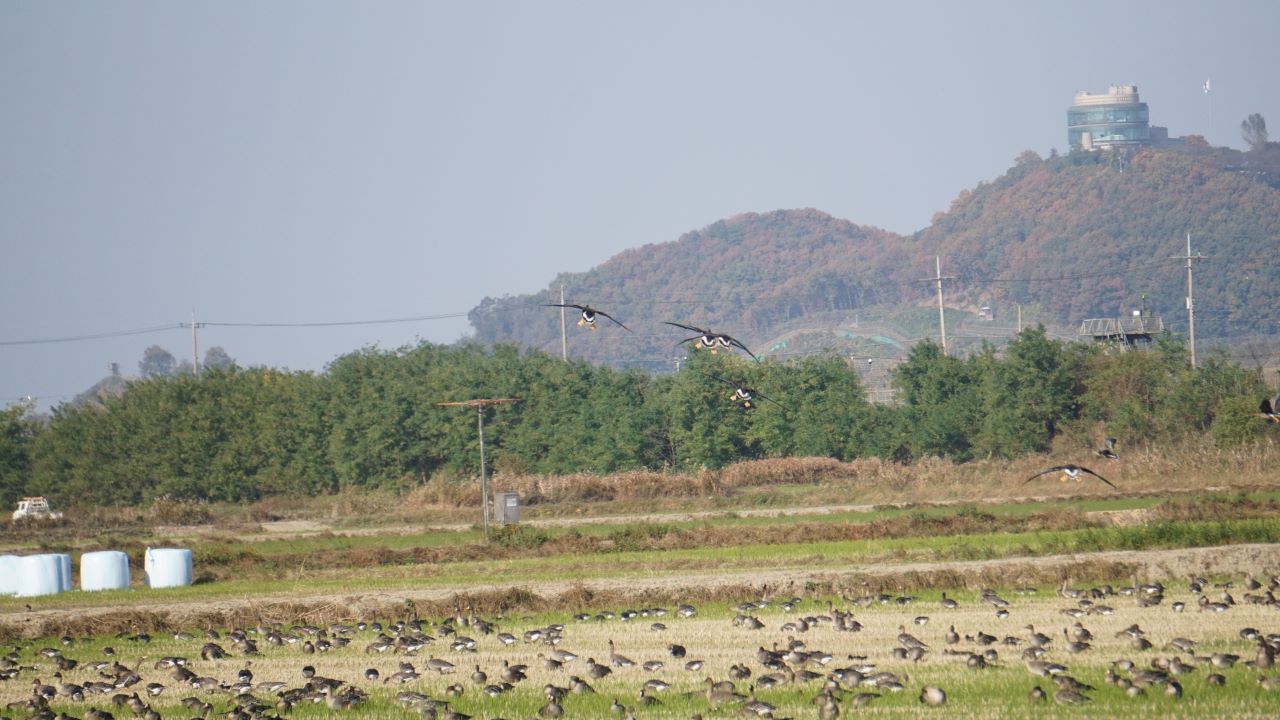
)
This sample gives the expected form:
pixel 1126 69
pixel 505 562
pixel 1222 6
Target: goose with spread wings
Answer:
pixel 712 340
pixel 1070 472
pixel 1269 409
pixel 1108 449
pixel 743 394
pixel 588 315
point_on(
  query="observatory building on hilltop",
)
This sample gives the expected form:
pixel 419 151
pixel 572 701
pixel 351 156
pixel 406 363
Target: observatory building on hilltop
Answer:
pixel 1116 119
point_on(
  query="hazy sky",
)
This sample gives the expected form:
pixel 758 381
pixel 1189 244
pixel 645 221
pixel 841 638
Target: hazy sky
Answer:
pixel 312 162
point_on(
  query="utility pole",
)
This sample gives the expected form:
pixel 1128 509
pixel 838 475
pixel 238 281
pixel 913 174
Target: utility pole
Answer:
pixel 195 357
pixel 480 405
pixel 564 336
pixel 1191 304
pixel 942 316
pixel 1019 318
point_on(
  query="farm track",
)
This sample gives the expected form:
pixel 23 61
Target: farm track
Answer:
pixel 296 529
pixel 1150 564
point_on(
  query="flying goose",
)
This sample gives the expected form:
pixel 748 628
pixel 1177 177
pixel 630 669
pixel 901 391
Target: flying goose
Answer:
pixel 743 394
pixel 1269 409
pixel 589 315
pixel 712 340
pixel 1108 449
pixel 1070 472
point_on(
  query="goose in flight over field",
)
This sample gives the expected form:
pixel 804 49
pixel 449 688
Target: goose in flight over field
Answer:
pixel 743 394
pixel 1108 449
pixel 1269 409
pixel 712 340
pixel 589 315
pixel 1070 472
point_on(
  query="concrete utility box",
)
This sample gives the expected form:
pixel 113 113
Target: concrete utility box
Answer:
pixel 506 508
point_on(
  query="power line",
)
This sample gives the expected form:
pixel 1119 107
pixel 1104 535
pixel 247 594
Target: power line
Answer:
pixel 193 325
pixel 336 323
pixel 95 336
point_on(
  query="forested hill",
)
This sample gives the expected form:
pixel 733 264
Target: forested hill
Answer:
pixel 745 276
pixel 1069 237
pixel 1081 237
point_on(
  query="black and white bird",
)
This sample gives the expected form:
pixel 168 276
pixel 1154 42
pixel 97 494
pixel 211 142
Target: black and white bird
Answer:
pixel 712 341
pixel 1108 449
pixel 1269 409
pixel 1070 472
pixel 588 315
pixel 743 394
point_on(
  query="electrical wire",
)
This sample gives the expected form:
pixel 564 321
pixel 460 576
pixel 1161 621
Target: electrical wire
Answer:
pixel 334 323
pixel 94 336
pixel 187 325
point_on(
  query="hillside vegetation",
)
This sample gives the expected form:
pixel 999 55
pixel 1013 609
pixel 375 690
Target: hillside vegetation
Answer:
pixel 1066 237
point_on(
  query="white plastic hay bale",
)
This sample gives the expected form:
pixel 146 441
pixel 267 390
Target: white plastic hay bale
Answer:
pixel 168 567
pixel 9 574
pixel 104 570
pixel 64 572
pixel 39 575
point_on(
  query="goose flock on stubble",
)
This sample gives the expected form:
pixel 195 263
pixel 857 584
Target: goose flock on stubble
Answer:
pixel 219 680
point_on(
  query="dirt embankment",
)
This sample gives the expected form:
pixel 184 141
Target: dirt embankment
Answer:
pixel 1116 566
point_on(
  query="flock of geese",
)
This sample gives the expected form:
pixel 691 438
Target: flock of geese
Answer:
pixel 218 678
pixel 705 339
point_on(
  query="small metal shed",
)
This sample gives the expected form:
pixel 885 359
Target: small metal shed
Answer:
pixel 506 508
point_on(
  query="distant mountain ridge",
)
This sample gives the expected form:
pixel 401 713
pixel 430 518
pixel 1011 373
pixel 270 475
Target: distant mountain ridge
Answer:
pixel 1065 238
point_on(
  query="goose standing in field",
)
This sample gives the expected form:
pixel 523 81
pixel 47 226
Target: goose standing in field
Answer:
pixel 588 315
pixel 827 707
pixel 1070 472
pixel 933 696
pixel 578 686
pixel 618 660
pixel 1069 697
pixel 596 670
pixel 440 665
pixel 1074 646
pixel 908 640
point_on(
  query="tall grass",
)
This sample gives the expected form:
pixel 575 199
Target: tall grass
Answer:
pixel 1189 466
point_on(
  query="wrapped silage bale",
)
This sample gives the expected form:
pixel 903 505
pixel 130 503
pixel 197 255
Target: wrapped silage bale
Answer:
pixel 104 570
pixel 64 572
pixel 9 574
pixel 39 575
pixel 168 567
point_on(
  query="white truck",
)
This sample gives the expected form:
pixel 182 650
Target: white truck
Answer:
pixel 35 507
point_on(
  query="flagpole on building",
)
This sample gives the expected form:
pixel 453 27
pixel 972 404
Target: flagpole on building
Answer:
pixel 1208 91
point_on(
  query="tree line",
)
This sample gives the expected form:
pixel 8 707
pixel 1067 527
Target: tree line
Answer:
pixel 372 419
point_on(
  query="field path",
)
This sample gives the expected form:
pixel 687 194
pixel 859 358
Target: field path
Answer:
pixel 288 529
pixel 1150 564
